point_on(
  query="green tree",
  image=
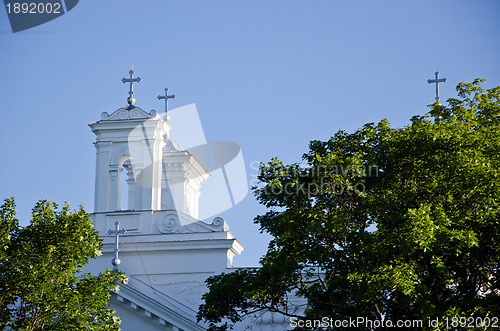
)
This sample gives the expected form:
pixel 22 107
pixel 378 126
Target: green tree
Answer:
pixel 383 223
pixel 39 264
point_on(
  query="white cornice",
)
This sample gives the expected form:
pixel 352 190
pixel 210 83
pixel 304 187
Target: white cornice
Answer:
pixel 134 243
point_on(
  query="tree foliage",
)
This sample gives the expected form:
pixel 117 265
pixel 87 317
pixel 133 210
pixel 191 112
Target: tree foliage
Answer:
pixel 383 223
pixel 39 264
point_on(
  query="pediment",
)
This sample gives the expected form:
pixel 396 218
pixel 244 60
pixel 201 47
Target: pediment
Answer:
pixel 129 113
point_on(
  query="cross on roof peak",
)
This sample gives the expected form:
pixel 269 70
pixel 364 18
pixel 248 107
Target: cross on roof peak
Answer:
pixel 131 80
pixel 166 97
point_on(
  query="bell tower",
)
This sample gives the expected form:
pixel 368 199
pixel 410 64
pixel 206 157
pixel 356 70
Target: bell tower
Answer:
pixel 146 211
pixel 140 173
pixel 129 147
pixel 148 184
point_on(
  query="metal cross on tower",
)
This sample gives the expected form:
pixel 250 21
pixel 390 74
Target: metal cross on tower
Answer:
pixel 166 97
pixel 116 261
pixel 437 81
pixel 131 80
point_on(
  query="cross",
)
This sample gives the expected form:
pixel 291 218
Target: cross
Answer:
pixel 131 80
pixel 437 81
pixel 116 261
pixel 166 97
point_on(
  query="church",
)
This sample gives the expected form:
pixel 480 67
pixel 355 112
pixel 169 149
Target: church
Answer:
pixel 146 209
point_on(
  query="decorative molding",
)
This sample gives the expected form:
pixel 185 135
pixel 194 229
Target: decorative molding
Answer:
pixel 189 290
pixel 170 223
pixel 128 114
pixel 185 287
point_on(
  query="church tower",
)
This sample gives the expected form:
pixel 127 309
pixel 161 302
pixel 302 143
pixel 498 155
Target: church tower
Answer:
pixel 146 210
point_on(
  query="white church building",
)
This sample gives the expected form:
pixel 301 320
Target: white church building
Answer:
pixel 147 192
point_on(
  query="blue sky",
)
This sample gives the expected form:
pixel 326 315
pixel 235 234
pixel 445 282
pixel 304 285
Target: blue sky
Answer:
pixel 268 75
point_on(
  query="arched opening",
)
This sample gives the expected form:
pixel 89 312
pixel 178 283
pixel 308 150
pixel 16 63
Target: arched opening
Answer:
pixel 127 186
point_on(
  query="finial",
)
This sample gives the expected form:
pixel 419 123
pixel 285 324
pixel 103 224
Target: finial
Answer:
pixel 131 80
pixel 166 97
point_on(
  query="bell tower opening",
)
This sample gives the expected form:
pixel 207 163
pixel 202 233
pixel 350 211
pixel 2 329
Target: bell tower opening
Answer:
pixel 127 186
